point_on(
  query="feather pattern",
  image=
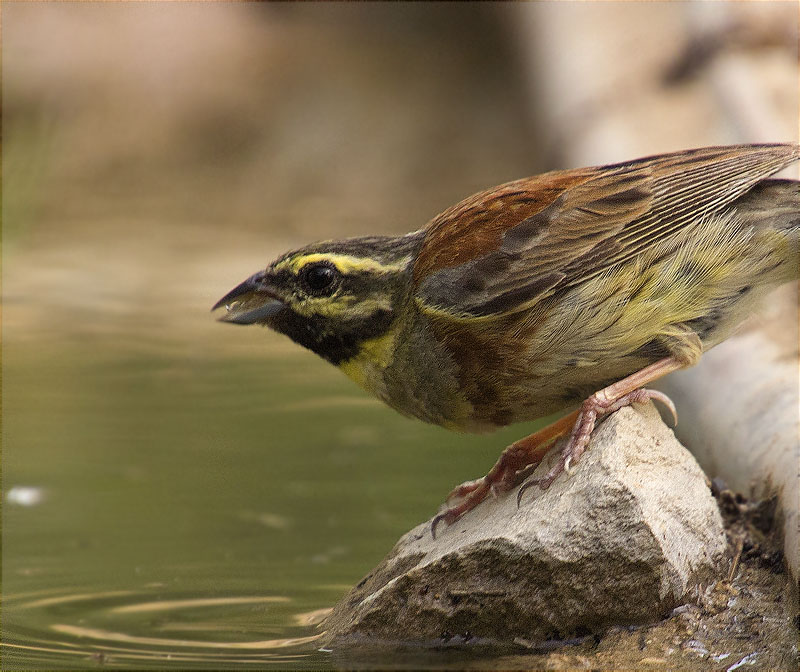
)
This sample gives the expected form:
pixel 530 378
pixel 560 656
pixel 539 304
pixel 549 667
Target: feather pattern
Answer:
pixel 504 250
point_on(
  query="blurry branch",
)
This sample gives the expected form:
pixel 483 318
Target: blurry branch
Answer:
pixel 736 74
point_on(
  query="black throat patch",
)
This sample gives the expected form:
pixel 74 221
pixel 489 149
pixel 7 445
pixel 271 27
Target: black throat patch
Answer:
pixel 335 342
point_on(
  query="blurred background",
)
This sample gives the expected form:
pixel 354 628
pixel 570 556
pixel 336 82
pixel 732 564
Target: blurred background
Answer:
pixel 181 492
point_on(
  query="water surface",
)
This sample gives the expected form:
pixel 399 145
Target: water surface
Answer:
pixel 166 509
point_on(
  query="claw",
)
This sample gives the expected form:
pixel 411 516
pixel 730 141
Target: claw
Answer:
pixel 577 427
pixel 524 487
pixel 655 395
pixel 435 523
pixel 516 461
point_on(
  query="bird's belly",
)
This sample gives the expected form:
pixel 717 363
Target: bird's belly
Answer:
pixel 679 303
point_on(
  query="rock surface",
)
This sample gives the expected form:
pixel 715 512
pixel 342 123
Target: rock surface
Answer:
pixel 739 412
pixel 623 539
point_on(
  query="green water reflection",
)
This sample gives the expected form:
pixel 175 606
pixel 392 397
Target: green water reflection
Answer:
pixel 197 513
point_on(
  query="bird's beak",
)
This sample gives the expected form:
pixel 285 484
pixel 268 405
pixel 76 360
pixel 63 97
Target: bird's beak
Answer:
pixel 250 302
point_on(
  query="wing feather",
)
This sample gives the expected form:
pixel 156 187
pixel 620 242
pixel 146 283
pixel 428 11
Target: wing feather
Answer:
pixel 502 250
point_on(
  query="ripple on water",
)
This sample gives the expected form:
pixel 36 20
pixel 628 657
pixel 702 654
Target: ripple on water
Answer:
pixel 130 629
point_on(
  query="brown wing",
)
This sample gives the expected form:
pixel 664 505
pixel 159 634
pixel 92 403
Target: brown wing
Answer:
pixel 501 250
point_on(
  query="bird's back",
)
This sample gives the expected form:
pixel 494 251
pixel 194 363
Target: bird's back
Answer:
pixel 668 265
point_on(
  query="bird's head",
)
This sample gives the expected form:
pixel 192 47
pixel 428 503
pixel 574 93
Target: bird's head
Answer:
pixel 329 297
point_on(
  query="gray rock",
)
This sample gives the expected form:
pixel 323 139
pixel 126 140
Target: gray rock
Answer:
pixel 623 539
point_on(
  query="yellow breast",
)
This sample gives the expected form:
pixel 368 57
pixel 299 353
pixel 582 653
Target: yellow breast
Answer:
pixel 368 366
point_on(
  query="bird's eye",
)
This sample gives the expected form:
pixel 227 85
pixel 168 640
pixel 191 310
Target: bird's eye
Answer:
pixel 320 279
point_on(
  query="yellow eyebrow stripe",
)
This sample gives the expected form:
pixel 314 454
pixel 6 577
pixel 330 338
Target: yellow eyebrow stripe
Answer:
pixel 344 263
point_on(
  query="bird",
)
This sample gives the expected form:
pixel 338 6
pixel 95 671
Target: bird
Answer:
pixel 573 289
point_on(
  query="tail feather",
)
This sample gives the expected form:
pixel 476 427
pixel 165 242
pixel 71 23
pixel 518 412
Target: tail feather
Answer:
pixel 771 203
pixel 774 206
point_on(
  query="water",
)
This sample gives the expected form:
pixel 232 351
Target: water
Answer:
pixel 168 509
pixel 179 493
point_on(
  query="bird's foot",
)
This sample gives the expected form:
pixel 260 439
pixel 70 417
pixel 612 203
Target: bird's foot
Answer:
pixel 467 496
pixel 515 462
pixel 522 456
pixel 526 453
pixel 593 409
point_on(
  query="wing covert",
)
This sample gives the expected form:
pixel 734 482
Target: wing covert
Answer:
pixel 502 250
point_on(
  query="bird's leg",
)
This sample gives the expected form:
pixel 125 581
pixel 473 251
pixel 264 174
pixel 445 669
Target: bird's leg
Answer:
pixel 519 455
pixel 627 391
pixel 530 450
